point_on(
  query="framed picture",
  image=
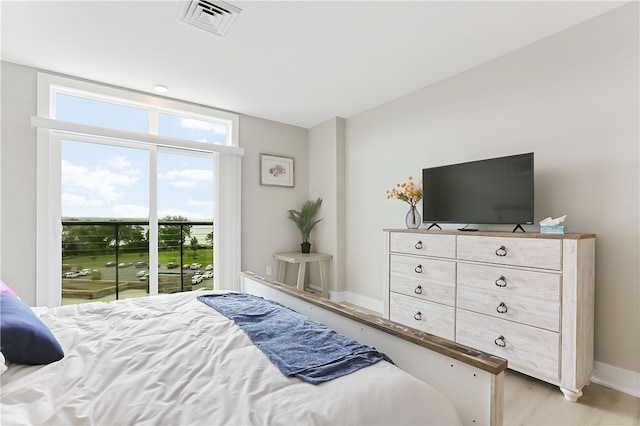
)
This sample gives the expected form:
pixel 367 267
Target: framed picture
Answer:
pixel 276 170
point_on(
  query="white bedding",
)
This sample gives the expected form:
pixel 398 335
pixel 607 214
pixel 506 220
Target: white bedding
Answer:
pixel 171 360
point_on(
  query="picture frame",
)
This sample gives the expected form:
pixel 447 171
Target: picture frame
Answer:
pixel 276 170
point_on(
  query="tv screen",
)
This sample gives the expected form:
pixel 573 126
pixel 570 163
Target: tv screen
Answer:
pixel 493 191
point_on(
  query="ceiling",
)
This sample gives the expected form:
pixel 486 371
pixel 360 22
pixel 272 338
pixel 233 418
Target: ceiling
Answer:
pixel 296 62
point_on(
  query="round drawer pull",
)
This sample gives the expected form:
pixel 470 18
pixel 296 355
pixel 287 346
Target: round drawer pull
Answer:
pixel 418 269
pixel 501 282
pixel 500 342
pixel 418 245
pixel 418 290
pixel 502 308
pixel 502 251
pixel 418 316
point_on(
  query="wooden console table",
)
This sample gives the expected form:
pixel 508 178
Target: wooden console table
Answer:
pixel 302 259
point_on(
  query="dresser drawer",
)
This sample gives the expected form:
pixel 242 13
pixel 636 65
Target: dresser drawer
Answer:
pixel 430 317
pixel 427 279
pixel 529 252
pixel 424 244
pixel 528 297
pixel 529 350
pixel 533 284
pixel 537 313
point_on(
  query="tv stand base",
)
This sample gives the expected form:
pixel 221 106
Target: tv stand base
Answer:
pixel 518 226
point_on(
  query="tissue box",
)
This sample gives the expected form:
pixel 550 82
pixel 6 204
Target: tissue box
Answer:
pixel 551 229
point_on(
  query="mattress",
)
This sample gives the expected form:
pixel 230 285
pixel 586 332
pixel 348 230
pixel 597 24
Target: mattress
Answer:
pixel 171 360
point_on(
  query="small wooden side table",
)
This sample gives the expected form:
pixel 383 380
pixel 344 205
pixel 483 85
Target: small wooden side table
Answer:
pixel 302 259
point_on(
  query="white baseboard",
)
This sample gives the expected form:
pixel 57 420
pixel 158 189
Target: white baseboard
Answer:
pixel 347 296
pixel 357 299
pixel 622 380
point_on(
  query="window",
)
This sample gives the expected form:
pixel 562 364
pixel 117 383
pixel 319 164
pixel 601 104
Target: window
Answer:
pixel 133 170
pixel 191 128
pixel 94 112
pixel 103 180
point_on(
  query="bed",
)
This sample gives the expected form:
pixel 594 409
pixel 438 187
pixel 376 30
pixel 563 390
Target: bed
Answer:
pixel 173 360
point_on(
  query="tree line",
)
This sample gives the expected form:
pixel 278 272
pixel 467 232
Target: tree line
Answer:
pixel 101 239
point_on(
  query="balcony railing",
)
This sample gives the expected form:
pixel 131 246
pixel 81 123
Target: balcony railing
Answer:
pixel 109 260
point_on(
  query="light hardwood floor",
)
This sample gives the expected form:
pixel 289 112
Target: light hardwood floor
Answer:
pixel 530 401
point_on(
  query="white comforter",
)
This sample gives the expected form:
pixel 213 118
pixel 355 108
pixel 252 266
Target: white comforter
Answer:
pixel 171 360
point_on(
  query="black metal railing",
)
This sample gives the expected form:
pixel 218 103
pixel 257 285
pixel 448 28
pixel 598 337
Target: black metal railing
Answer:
pixel 115 245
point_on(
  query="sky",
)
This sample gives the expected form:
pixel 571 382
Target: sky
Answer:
pixel 105 181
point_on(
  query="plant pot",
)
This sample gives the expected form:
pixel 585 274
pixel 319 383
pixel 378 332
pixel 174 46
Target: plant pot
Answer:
pixel 305 247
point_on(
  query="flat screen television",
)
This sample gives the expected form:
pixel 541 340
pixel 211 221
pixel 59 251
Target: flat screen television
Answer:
pixel 492 191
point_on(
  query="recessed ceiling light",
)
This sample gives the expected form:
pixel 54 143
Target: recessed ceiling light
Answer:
pixel 160 88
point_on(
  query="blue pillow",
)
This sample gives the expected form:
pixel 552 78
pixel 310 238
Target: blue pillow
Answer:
pixel 23 337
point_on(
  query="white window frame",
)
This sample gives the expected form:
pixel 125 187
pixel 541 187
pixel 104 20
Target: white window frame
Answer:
pixel 227 226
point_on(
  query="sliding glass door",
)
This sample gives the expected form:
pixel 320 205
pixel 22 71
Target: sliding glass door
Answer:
pixel 185 220
pixel 137 220
pixel 105 199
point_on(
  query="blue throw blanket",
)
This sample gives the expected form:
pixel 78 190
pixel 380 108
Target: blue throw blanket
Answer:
pixel 298 346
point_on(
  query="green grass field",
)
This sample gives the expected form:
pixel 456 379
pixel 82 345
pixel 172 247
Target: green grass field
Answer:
pixel 202 255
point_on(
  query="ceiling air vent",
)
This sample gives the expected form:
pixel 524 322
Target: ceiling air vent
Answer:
pixel 210 15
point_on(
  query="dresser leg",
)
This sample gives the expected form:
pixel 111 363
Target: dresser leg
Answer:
pixel 571 395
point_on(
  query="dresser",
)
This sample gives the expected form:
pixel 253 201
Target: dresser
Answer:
pixel 525 297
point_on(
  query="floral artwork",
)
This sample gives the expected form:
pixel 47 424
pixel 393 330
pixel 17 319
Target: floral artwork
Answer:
pixel 276 170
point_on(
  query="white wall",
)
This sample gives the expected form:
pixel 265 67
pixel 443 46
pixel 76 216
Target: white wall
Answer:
pixel 265 227
pixel 326 165
pixel 573 100
pixel 18 170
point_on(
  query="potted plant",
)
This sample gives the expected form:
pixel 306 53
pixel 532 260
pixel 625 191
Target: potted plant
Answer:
pixel 304 220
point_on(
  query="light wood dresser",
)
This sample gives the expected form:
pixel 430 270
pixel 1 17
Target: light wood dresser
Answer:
pixel 525 297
